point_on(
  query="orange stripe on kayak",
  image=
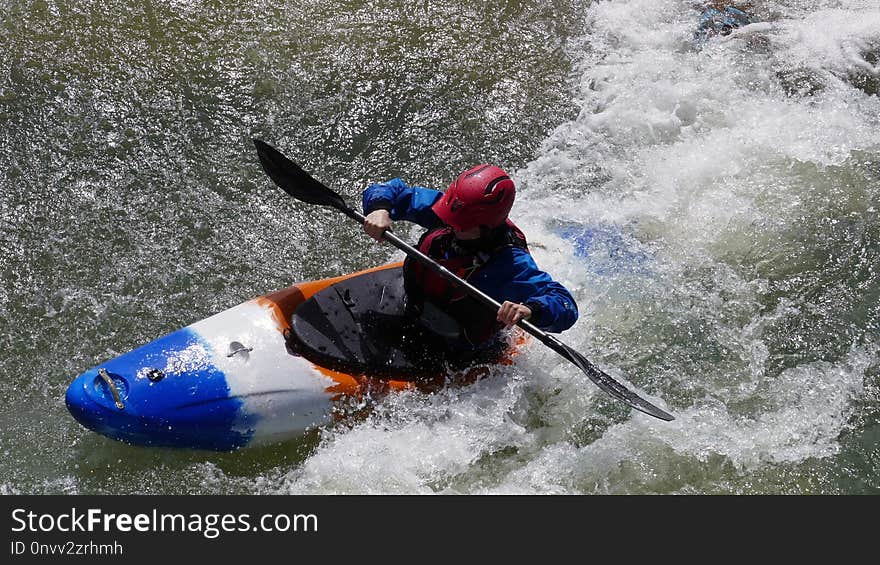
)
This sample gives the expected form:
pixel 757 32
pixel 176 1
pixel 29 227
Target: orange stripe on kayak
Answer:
pixel 284 302
pixel 357 385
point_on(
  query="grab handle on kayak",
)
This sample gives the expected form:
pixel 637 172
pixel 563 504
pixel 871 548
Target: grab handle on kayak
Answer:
pixel 107 379
pixel 236 348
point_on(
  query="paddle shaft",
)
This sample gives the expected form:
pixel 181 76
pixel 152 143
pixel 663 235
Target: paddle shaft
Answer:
pixel 603 380
pixel 453 278
pixel 599 377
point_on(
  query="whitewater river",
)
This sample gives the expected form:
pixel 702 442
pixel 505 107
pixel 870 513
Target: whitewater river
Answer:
pixel 714 210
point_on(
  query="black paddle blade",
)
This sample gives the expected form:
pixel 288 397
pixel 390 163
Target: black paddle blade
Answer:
pixel 614 388
pixel 295 181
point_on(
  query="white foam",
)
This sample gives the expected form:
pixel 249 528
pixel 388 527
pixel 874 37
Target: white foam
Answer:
pixel 807 410
pixel 695 151
pixel 414 443
pixel 833 39
pixel 702 157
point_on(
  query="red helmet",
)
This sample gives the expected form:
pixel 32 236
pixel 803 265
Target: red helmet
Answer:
pixel 481 196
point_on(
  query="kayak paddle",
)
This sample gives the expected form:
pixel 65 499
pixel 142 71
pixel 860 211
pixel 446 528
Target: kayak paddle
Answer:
pixel 299 184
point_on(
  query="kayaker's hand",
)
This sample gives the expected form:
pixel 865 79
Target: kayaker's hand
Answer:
pixel 376 223
pixel 510 313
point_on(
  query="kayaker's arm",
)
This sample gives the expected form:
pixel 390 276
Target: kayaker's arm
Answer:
pixel 518 279
pixel 403 202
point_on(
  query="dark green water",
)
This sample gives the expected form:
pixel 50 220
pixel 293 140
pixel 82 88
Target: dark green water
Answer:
pixel 133 204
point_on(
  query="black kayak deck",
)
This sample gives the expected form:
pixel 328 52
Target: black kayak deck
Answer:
pixel 361 326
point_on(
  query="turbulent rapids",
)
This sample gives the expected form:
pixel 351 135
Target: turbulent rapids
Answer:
pixel 712 206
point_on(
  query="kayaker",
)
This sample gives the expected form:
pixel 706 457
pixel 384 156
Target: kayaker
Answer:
pixel 469 232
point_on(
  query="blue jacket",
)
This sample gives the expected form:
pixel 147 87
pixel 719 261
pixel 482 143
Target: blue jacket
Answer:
pixel 510 274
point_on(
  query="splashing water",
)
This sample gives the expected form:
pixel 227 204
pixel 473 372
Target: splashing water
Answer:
pixel 713 208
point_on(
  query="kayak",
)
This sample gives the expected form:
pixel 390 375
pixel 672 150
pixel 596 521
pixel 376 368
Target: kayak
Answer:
pixel 270 369
pixel 289 362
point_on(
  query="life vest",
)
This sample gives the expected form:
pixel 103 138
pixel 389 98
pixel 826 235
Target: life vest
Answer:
pixel 477 322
